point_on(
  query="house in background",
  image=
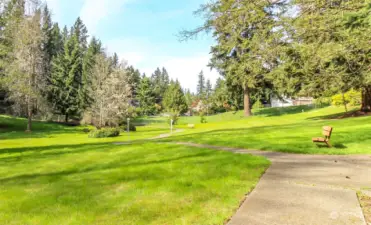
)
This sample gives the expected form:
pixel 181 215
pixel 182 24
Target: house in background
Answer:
pixel 287 101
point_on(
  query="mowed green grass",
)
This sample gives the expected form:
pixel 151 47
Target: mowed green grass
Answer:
pixel 57 175
pixel 285 130
pixel 12 134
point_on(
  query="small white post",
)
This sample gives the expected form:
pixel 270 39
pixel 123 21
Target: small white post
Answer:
pixel 128 128
pixel 171 126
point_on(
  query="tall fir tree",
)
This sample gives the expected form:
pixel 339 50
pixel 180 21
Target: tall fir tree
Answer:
pixel 48 47
pixel 79 29
pixel 65 35
pixel 115 60
pixel 57 40
pixel 331 48
pixel 246 34
pixel 165 78
pixel 146 96
pixel 208 89
pixel 134 79
pixel 201 85
pixel 89 60
pixel 156 82
pixel 174 99
pixel 66 79
pixel 160 82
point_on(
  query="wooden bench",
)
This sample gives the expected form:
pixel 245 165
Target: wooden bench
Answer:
pixel 327 131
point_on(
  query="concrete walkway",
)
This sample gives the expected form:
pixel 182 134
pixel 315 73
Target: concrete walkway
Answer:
pixel 304 189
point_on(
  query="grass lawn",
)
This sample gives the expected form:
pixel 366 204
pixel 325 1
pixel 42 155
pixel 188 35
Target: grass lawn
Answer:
pixel 285 130
pixel 57 175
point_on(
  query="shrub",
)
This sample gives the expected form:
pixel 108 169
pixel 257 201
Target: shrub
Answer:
pixel 174 117
pixel 86 130
pixel 124 126
pixel 104 132
pixel 355 97
pixel 352 98
pixel 322 102
pixel 132 127
pixel 257 105
pixel 203 119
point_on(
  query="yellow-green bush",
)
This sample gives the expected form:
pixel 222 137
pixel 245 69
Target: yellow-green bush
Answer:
pixel 257 105
pixel 352 98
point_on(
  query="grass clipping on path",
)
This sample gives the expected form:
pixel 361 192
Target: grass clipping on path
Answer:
pixel 133 184
pixel 365 202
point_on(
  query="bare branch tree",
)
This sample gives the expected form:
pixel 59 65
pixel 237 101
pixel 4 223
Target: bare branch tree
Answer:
pixel 111 92
pixel 24 78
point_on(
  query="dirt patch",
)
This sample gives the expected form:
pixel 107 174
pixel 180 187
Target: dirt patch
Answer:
pixel 365 202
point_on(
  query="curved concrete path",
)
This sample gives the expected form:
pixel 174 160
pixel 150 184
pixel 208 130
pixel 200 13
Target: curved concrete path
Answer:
pixel 304 189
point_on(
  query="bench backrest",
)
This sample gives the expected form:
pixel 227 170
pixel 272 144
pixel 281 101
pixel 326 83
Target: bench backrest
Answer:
pixel 327 131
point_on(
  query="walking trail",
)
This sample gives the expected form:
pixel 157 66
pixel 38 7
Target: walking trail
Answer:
pixel 304 189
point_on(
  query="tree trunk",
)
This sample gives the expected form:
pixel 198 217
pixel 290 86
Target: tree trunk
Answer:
pixel 366 99
pixel 344 102
pixel 66 118
pixel 246 101
pixel 29 115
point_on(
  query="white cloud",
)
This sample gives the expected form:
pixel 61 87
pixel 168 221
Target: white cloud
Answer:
pixel 94 11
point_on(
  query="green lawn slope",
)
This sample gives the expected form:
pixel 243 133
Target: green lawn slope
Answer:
pixel 283 129
pixel 56 175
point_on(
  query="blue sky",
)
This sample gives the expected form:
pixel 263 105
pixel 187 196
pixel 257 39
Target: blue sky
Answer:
pixel 144 32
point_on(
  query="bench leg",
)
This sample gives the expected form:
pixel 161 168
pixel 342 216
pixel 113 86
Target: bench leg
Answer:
pixel 328 144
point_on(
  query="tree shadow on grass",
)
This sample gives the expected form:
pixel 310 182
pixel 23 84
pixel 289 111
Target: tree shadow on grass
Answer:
pixel 129 162
pixel 334 146
pixel 172 176
pixel 292 138
pixel 61 149
pixel 343 115
pixel 269 112
pixel 14 128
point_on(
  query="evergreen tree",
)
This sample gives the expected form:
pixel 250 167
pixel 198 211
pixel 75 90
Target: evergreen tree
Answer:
pixel 208 95
pixel 146 96
pixel 57 40
pixel 48 48
pixel 115 60
pixel 160 82
pixel 189 97
pixel 246 33
pixel 89 60
pixel 134 78
pixel 208 89
pixel 330 50
pixel 174 99
pixel 165 80
pixel 66 79
pixel 79 29
pixel 156 84
pixel 65 35
pixel 221 97
pixel 201 85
